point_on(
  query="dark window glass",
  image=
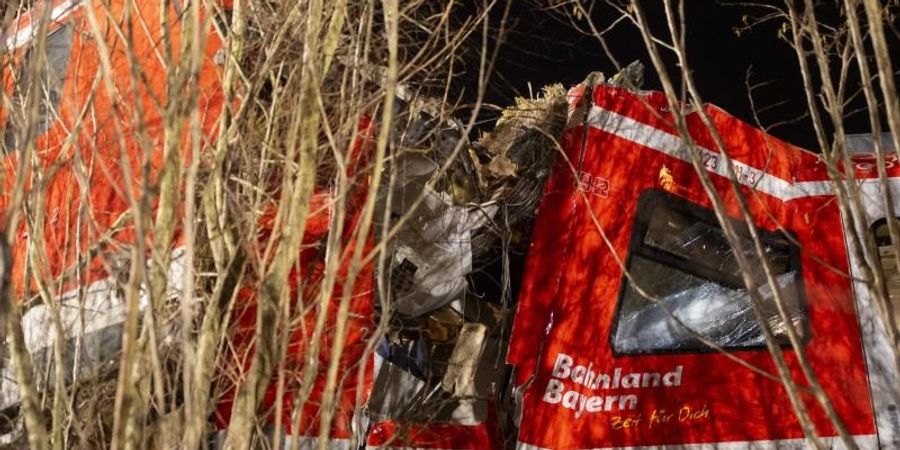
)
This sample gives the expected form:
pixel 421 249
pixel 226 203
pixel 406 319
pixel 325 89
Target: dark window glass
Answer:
pixel 887 260
pixel 52 81
pixel 882 234
pixel 680 256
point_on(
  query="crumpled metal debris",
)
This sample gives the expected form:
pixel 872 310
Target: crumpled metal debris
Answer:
pixel 515 158
pixel 442 359
pixel 459 378
pixel 434 254
pixel 631 76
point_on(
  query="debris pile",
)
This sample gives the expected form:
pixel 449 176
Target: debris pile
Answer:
pixel 451 203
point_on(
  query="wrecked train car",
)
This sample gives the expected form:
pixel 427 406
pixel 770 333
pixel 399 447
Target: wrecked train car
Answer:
pixel 631 285
pixel 96 140
pixel 599 363
pixel 84 145
pixel 87 129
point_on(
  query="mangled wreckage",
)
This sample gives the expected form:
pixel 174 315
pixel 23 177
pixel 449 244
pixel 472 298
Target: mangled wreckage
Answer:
pixel 430 381
pixel 630 285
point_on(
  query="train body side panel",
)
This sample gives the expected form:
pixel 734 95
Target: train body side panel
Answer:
pixel 104 140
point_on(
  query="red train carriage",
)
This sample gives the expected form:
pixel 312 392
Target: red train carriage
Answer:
pixel 621 361
pixel 88 139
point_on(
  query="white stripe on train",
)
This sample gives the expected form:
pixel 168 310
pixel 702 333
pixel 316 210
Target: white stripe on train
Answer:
pixel 25 34
pixel 640 133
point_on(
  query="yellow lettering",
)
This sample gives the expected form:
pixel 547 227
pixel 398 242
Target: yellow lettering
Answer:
pixel 619 422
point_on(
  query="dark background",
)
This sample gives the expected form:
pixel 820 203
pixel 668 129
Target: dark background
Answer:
pixel 542 48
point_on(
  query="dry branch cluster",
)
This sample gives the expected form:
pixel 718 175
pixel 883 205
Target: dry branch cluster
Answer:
pixel 292 188
pixel 236 278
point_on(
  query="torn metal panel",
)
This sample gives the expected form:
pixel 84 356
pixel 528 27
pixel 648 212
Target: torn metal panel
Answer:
pixel 459 379
pixel 433 254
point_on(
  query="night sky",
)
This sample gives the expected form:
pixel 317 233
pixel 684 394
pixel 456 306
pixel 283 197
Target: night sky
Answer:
pixel 542 49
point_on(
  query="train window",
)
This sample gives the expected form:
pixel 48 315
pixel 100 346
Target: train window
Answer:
pixel 52 81
pixel 680 259
pixel 888 262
